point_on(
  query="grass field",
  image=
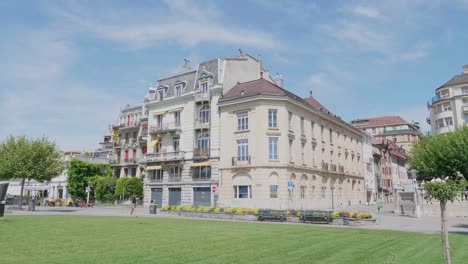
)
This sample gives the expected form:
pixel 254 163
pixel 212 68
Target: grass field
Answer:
pixel 83 239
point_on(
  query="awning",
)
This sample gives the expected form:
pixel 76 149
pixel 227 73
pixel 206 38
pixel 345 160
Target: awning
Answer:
pixel 153 168
pixel 201 164
pixel 176 110
pixel 154 142
pixel 159 113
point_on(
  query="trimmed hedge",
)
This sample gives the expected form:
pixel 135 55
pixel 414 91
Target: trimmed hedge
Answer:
pixel 208 209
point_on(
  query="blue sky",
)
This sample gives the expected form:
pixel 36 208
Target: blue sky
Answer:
pixel 67 67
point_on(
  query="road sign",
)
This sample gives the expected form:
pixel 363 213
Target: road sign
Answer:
pixel 88 190
pixel 46 183
pixel 213 188
pixel 290 185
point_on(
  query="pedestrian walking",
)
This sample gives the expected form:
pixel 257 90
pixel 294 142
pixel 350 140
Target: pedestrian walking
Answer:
pixel 133 205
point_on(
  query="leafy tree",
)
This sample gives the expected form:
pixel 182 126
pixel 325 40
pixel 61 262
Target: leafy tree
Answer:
pixel 126 187
pixel 80 175
pixel 104 188
pixel 26 158
pixel 443 156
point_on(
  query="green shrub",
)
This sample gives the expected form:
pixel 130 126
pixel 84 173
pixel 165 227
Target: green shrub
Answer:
pixel 337 214
pixel 230 210
pixel 364 215
pixel 256 211
pixel 353 214
pixel 177 208
pixel 166 208
pixel 250 211
pixel 298 213
pixel 240 211
pixel 217 210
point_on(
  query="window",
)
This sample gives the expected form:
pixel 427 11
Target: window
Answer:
pixel 465 90
pixel 204 114
pixel 273 191
pixel 444 93
pixel 373 131
pixel 273 148
pixel 126 155
pixel 312 127
pixel 302 125
pixel 466 118
pixel 126 136
pixel 175 145
pixel 135 134
pixel 446 106
pixel 204 87
pixel 302 153
pixel 201 173
pixel 303 191
pixel 242 121
pixel 331 135
pixel 324 192
pixel 272 118
pixel 175 173
pixel 159 120
pixel 144 149
pixel 321 131
pixel 156 175
pixel 242 191
pixel 242 149
pixel 313 155
pixel 177 119
pixel 134 155
pixel 448 121
pixel 440 123
pixel 394 139
pixel 289 120
pixel 291 159
pixel 178 90
pixel 161 94
pixel 203 141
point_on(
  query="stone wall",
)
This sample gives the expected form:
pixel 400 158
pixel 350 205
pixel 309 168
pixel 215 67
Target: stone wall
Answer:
pixel 458 208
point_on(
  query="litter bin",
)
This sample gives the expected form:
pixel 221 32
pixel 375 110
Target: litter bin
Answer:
pixel 153 208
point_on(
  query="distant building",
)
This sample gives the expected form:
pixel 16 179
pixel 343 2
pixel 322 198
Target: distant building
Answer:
pixel 393 128
pixel 449 108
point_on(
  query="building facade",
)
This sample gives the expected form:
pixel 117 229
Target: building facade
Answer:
pixel 128 144
pixel 183 139
pixel 392 128
pixel 449 108
pixel 369 170
pixel 281 151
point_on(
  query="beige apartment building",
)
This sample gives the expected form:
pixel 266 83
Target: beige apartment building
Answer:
pixel 278 150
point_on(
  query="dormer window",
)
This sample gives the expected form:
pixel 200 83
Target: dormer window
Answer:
pixel 204 87
pixel 178 90
pixel 162 92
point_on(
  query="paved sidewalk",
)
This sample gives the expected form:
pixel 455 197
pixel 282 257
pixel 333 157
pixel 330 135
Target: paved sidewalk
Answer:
pixel 388 221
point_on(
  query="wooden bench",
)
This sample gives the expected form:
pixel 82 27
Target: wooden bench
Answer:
pixel 272 215
pixel 315 216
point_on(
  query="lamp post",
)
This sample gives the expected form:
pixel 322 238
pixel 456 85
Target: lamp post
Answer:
pixel 416 193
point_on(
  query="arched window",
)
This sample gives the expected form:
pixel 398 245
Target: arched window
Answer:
pixel 273 185
pixel 303 187
pixel 204 114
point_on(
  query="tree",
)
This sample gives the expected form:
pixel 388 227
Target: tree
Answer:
pixel 443 156
pixel 26 158
pixel 80 175
pixel 126 187
pixel 104 187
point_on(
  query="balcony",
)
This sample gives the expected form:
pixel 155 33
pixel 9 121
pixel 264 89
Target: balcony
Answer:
pixel 129 125
pixel 399 131
pixel 201 153
pixel 165 128
pixel 202 97
pixel 333 167
pixel 324 166
pixel 202 124
pixel 465 108
pixel 174 178
pixel 130 161
pixel 114 161
pixel 437 98
pixel 165 156
pixel 241 161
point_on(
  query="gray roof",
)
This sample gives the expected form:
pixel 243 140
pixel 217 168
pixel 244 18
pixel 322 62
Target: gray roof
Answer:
pixel 458 79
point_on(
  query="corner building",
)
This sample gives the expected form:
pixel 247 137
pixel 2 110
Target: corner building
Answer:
pixel 280 151
pixel 183 142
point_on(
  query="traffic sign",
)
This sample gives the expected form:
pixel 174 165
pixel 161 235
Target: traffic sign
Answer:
pixel 213 188
pixel 88 189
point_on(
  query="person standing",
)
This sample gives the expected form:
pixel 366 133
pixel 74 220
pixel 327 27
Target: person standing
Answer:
pixel 133 205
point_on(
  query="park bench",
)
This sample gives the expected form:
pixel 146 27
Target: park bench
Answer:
pixel 315 216
pixel 272 215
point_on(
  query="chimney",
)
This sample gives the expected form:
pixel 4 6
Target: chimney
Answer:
pixel 240 53
pixel 310 93
pixel 279 80
pixel 186 66
pixel 465 69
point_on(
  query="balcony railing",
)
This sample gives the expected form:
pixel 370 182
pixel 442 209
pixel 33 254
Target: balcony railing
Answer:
pixel 437 98
pixel 202 124
pixel 129 124
pixel 202 97
pixel 174 179
pixel 324 166
pixel 130 161
pixel 201 152
pixel 241 161
pixel 398 131
pixel 333 167
pixel 166 127
pixel 165 156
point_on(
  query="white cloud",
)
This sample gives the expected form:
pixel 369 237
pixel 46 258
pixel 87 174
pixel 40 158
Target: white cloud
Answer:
pixel 366 11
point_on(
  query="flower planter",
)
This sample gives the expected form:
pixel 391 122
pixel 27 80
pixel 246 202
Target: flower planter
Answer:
pixel 212 215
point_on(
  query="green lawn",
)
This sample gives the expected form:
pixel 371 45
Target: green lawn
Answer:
pixel 83 239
